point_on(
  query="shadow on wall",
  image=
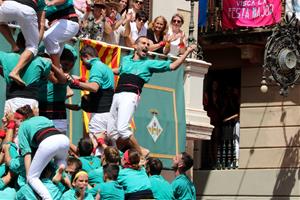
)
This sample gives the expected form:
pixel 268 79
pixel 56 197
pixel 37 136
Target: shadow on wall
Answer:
pixel 289 172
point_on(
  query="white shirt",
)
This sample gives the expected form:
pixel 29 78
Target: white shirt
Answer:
pixel 134 32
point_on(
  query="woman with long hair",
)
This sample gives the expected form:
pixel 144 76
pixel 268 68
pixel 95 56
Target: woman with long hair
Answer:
pixel 124 4
pixel 156 34
pixel 177 37
pixel 38 133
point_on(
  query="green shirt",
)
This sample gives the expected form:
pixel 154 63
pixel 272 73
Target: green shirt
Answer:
pixel 16 164
pixel 161 188
pixel 28 129
pixel 110 190
pixel 144 68
pixel 134 180
pixel 183 188
pixel 53 92
pixel 71 195
pixel 90 163
pixel 101 74
pixel 26 192
pixel 96 176
pixel 41 5
pixel 37 70
pixel 8 194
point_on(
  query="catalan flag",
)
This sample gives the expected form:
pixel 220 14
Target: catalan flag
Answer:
pixel 108 54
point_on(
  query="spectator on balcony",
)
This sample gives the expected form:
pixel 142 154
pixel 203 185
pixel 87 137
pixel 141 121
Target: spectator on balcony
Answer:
pixel 117 28
pixel 138 27
pixel 94 22
pixel 124 4
pixel 137 6
pixel 176 35
pixel 80 8
pixel 156 34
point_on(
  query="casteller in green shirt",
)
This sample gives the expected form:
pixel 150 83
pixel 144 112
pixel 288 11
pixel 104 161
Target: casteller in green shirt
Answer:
pixel 28 129
pixel 90 163
pixel 161 188
pixel 26 192
pixel 144 67
pixel 134 180
pixel 108 190
pixel 183 188
pixel 71 195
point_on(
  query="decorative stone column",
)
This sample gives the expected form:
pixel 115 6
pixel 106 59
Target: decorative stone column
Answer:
pixel 198 125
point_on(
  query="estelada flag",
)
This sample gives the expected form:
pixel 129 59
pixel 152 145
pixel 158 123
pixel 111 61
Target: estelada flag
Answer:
pixel 108 54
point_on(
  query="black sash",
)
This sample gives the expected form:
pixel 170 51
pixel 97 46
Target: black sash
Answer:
pixel 144 194
pixel 14 90
pixel 63 14
pixel 97 102
pixel 30 3
pixel 43 134
pixel 53 110
pixel 130 83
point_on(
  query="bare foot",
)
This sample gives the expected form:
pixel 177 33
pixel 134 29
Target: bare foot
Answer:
pixel 17 79
pixel 58 176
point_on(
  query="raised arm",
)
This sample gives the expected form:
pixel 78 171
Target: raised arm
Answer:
pixel 174 65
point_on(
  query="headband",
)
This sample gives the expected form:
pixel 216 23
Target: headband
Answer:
pixel 19 116
pixel 79 173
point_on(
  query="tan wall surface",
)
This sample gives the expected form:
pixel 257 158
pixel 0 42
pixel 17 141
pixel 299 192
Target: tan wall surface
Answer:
pixel 269 164
pixel 256 183
pixel 270 137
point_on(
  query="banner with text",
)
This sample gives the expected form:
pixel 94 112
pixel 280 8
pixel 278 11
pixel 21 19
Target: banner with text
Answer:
pixel 250 13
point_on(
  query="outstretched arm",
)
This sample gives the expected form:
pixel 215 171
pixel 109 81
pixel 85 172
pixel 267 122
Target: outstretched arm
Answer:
pixel 89 86
pixel 174 65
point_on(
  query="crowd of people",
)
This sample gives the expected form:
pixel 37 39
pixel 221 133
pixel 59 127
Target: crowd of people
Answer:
pixel 38 161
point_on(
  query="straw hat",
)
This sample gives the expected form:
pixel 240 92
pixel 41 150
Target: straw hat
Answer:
pixel 113 4
pixel 100 2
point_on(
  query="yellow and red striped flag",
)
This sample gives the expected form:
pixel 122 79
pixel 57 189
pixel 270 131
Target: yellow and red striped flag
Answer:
pixel 108 54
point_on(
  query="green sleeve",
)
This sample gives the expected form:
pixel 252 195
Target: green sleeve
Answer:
pixel 23 141
pixel 94 190
pixel 156 66
pixel 2 185
pixel 46 68
pixel 96 75
pixel 176 190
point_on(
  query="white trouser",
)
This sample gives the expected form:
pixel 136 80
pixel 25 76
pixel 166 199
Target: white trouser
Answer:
pixel 122 109
pixel 55 146
pixel 60 32
pixel 26 17
pixel 61 125
pixel 97 125
pixel 11 105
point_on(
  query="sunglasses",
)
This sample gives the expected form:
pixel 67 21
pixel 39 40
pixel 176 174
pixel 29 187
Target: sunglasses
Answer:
pixel 176 21
pixel 142 19
pixel 139 2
